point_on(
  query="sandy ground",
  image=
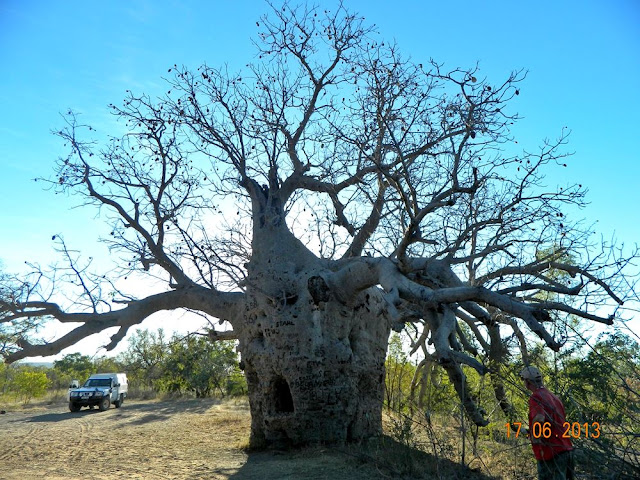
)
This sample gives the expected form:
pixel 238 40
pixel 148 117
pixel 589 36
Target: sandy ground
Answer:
pixel 184 439
pixel 190 439
pixel 140 440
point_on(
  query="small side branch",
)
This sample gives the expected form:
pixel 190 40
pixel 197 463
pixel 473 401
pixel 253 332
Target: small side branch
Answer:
pixel 216 336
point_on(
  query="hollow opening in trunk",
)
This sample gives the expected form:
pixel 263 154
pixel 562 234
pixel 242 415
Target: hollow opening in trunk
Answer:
pixel 283 398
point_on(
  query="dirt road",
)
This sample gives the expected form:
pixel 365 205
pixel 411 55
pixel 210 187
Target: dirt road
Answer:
pixel 186 439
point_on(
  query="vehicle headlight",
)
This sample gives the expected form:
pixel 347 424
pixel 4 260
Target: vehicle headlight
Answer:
pixel 74 394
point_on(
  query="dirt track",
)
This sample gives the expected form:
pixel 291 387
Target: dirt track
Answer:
pixel 140 440
pixel 192 439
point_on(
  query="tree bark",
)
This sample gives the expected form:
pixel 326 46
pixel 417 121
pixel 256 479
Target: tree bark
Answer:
pixel 314 364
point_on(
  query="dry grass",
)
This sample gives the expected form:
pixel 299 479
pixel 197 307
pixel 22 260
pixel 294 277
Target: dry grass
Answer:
pixel 186 439
pixel 208 439
pixel 489 451
pixel 441 439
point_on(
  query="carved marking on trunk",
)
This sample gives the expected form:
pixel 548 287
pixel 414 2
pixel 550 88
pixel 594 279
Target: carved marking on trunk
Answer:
pixel 318 289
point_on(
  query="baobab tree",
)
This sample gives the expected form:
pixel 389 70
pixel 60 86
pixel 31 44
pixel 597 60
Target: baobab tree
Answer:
pixel 329 192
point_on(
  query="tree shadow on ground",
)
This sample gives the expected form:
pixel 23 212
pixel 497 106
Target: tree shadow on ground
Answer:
pixel 380 458
pixel 142 413
pixel 137 412
pixel 61 416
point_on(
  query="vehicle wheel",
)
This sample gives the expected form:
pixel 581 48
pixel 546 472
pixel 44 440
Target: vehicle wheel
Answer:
pixel 74 407
pixel 118 403
pixel 105 403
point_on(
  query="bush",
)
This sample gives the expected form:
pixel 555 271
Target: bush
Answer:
pixel 30 384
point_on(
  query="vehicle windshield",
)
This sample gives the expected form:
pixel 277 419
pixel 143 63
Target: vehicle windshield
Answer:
pixel 98 382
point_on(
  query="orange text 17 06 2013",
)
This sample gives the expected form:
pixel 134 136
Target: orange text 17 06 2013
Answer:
pixel 543 430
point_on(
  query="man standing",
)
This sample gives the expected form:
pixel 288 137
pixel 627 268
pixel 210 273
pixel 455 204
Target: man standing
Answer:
pixel 552 450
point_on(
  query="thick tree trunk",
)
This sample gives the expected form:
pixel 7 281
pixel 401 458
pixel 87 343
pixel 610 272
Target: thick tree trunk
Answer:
pixel 314 365
pixel 315 375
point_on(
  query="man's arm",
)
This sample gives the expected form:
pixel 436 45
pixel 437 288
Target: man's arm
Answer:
pixel 539 418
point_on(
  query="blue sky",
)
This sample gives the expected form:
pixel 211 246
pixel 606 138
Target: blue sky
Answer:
pixel 583 59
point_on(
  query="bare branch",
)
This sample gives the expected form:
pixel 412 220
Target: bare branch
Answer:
pixel 221 305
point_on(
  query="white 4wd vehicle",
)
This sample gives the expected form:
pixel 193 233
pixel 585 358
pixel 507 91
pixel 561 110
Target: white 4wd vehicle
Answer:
pixel 101 389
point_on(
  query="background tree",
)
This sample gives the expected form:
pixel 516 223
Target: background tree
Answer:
pixel 374 192
pixel 603 383
pixel 196 364
pixel 108 364
pixel 144 358
pixel 399 374
pixel 29 383
pixel 4 378
pixel 73 366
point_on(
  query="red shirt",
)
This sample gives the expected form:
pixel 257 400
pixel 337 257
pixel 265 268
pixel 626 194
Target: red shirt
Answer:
pixel 542 401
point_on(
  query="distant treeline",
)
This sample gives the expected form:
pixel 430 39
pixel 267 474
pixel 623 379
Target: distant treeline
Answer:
pixel 181 365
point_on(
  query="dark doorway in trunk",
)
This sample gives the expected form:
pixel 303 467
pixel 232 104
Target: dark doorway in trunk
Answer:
pixel 283 398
